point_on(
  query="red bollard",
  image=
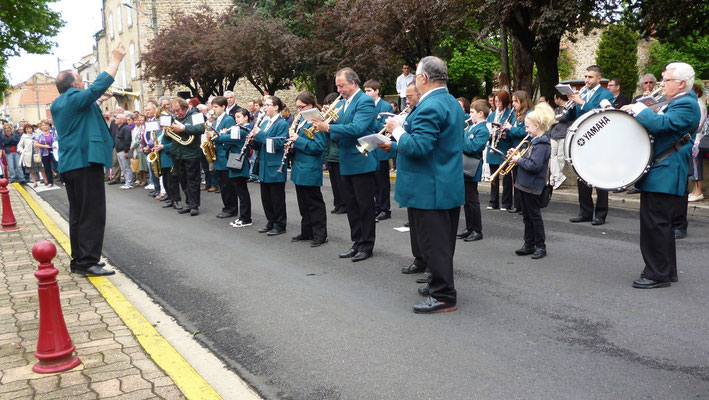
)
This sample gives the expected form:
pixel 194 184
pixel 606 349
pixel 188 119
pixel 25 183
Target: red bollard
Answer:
pixel 8 218
pixel 55 351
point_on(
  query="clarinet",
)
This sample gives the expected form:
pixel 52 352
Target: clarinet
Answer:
pixel 248 137
pixel 287 146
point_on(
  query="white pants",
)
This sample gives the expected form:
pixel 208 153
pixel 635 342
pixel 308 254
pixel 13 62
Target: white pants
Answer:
pixel 556 161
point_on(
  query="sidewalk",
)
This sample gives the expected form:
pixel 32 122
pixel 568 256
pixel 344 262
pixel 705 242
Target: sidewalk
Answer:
pixel 114 364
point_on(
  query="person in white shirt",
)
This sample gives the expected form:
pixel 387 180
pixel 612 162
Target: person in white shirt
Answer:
pixel 402 81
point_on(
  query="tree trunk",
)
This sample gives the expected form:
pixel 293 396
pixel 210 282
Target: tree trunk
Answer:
pixel 504 51
pixel 522 65
pixel 547 60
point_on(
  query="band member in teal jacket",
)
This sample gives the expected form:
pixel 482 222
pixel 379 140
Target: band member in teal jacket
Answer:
pixel 357 171
pixel 273 183
pixel 515 130
pixel 239 177
pixel 382 202
pixel 224 143
pixel 430 179
pixel 307 176
pixel 586 101
pixel 86 147
pixel 474 140
pixel 663 187
pixel 502 114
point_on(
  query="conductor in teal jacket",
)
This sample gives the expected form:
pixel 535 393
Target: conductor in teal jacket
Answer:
pixel 430 179
pixel 663 187
pixel 585 102
pixel 86 148
pixel 357 171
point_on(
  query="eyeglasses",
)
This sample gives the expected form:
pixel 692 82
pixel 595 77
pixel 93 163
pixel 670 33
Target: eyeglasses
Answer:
pixel 301 107
pixel 649 83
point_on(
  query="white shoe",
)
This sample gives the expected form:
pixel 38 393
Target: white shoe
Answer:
pixel 696 198
pixel 503 209
pixel 235 222
pixel 149 187
pixel 126 187
pixel 242 225
pixel 558 183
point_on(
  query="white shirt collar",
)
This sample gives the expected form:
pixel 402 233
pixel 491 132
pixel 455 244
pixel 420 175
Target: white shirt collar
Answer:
pixel 349 99
pixel 429 92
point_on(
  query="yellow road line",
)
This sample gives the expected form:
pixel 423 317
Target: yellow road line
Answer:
pixel 185 377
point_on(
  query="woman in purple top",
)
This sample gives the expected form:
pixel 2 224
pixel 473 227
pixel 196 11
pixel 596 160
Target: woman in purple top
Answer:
pixel 43 141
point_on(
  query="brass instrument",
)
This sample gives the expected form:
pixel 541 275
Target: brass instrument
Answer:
pixel 120 92
pixel 289 144
pixel 507 165
pixel 154 157
pixel 364 150
pixel 208 147
pixel 497 134
pixel 170 132
pixel 468 122
pixel 330 116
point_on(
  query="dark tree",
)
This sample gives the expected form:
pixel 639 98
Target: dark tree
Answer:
pixel 673 21
pixel 617 55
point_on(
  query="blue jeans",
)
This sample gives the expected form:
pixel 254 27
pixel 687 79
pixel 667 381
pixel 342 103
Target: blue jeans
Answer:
pixel 14 169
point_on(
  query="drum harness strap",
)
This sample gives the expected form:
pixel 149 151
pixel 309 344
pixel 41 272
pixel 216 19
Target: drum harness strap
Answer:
pixel 674 148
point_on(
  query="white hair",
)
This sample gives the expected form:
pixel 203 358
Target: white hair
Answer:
pixel 683 72
pixel 228 93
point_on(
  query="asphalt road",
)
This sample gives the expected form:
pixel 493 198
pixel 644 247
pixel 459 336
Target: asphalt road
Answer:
pixel 299 323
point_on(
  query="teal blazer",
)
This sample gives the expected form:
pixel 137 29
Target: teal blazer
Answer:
pixel 165 157
pixel 504 144
pixel 352 124
pixel 518 130
pixel 308 160
pixel 223 143
pixel 81 129
pixel 430 155
pixel 592 103
pixel 379 120
pixel 667 127
pixel 474 139
pixel 236 148
pixel 270 162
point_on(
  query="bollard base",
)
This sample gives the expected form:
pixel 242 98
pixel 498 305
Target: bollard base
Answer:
pixel 10 228
pixel 54 366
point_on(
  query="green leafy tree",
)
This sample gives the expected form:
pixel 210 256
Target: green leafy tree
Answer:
pixel 617 55
pixel 25 25
pixel 469 66
pixel 695 53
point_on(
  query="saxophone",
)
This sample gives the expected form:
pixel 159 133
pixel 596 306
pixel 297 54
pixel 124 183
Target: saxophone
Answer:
pixel 154 157
pixel 287 146
pixel 208 147
pixel 170 132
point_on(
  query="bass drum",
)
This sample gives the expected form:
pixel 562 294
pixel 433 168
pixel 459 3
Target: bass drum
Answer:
pixel 608 149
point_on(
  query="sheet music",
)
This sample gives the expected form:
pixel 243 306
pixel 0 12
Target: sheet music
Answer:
pixel 565 89
pixel 235 132
pixel 165 120
pixel 311 114
pixel 269 146
pixel 197 118
pixel 152 126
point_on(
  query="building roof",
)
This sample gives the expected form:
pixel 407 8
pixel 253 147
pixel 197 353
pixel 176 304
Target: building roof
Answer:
pixel 45 89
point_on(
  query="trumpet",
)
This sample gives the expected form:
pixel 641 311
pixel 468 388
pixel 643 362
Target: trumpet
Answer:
pixel 171 133
pixel 330 116
pixel 497 135
pixel 364 149
pixel 121 92
pixel 570 104
pixel 289 144
pixel 208 148
pixel 507 165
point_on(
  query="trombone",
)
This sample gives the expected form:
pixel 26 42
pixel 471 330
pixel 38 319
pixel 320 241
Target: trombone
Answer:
pixel 507 165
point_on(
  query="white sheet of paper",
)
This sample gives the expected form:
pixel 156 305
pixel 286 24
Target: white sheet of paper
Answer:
pixel 165 120
pixel 197 118
pixel 370 142
pixel 311 114
pixel 402 229
pixel 235 132
pixel 269 146
pixel 565 89
pixel 152 126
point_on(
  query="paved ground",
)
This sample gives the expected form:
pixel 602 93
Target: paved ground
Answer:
pixel 299 323
pixel 113 362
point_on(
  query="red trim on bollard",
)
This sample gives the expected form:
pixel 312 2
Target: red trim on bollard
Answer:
pixel 8 218
pixel 55 351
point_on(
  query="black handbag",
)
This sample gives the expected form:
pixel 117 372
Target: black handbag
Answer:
pixel 704 144
pixel 470 165
pixel 235 161
pixel 546 195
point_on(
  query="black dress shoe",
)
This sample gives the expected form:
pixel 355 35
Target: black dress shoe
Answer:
pixel 318 242
pixel 514 210
pixel 424 290
pixel 431 306
pixel 524 251
pixel 426 278
pixel 225 215
pixel 194 212
pixel 183 210
pixel 333 211
pixel 176 205
pixel 539 253
pixel 406 224
pixel 384 215
pixel 674 279
pixel 94 270
pixel 341 211
pixel 348 254
pixel 413 269
pixel 276 231
pixel 464 234
pixel 644 283
pixel 598 221
pixel 580 218
pixel 168 204
pixel 361 255
pixel 680 234
pixel 300 238
pixel 474 236
pixel 265 229
pixel 113 183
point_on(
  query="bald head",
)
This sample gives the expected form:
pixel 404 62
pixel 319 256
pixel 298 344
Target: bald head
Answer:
pixel 68 79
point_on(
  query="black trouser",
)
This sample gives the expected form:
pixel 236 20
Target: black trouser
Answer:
pixel 586 202
pixel 435 238
pixel 495 190
pixel 680 222
pixel 228 192
pixel 116 167
pixel 210 177
pixel 171 184
pixel 381 196
pixel 533 223
pixel 471 208
pixel 657 235
pixel 188 173
pixel 242 193
pixel 87 214
pixel 47 163
pixel 336 183
pixel 273 198
pixel 516 193
pixel 358 191
pixel 313 222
